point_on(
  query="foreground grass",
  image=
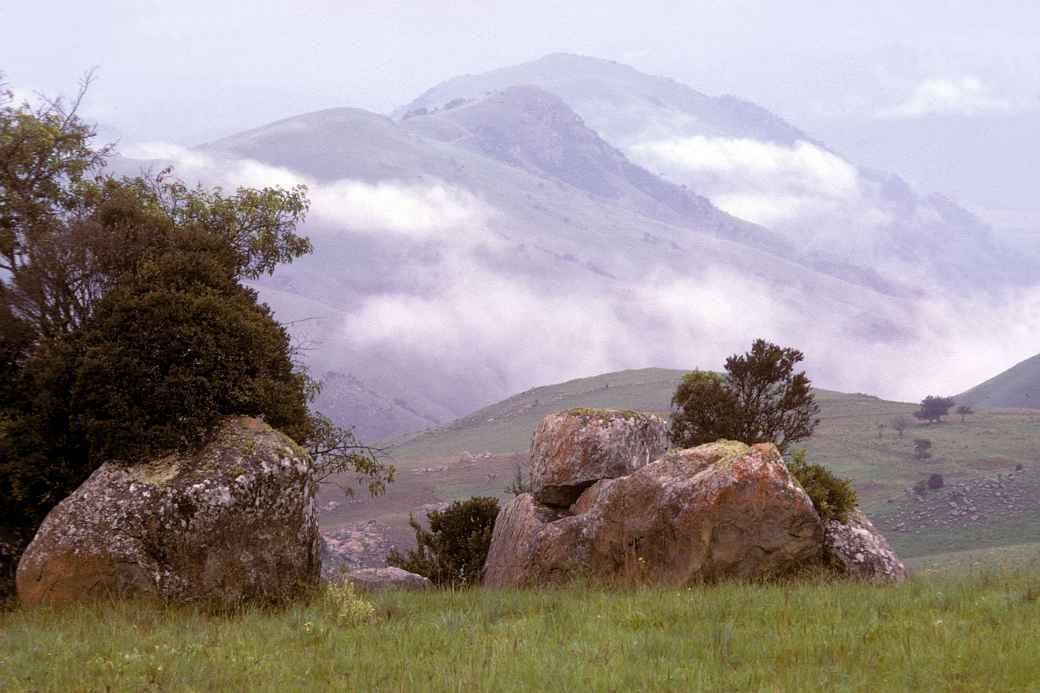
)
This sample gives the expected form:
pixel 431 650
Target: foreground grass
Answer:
pixel 980 632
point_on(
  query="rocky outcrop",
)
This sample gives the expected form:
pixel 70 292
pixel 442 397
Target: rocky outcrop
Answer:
pixel 858 550
pixel 235 522
pixel 572 450
pixel 388 578
pixel 720 510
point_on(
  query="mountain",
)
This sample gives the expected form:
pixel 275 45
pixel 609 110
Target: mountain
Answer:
pixel 470 253
pixel 1018 386
pixel 756 166
pixel 517 228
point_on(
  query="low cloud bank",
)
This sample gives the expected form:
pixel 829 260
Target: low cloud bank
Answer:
pixel 481 328
pixel 959 96
pixel 417 211
pixel 802 185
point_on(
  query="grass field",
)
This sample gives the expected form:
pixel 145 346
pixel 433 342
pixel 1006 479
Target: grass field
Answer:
pixel 974 631
pixel 432 467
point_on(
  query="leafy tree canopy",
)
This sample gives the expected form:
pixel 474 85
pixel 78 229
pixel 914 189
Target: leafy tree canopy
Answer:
pixel 760 398
pixel 124 327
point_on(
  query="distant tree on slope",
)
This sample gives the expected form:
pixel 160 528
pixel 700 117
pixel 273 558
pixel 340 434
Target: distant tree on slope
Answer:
pixel 933 409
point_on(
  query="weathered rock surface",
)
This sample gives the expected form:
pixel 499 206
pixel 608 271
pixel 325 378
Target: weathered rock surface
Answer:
pixel 573 449
pixel 388 578
pixel 235 522
pixel 715 511
pixel 859 550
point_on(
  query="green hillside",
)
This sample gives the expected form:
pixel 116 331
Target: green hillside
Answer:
pixel 478 454
pixel 1018 386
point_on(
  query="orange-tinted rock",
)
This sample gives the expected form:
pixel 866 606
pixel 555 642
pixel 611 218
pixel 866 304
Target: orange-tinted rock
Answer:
pixel 236 522
pixel 720 510
pixel 571 450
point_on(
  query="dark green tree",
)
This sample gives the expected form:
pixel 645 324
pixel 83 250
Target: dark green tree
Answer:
pixel 760 398
pixel 125 329
pixel 933 408
pixel 452 552
pixel 964 411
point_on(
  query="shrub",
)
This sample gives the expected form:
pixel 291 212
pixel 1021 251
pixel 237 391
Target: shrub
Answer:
pixel 453 551
pixel 832 496
pixel 346 606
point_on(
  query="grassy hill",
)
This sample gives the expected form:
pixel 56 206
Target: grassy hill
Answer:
pixel 1018 386
pixel 478 455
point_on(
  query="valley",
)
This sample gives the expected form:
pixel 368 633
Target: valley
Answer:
pixel 990 462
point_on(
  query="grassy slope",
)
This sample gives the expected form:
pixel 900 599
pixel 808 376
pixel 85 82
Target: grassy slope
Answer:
pixel 990 442
pixel 964 633
pixel 1018 386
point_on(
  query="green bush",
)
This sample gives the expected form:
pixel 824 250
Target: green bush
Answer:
pixel 832 496
pixel 453 551
pixel 164 356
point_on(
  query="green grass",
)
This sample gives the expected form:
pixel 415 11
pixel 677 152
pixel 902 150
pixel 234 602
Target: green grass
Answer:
pixel 974 632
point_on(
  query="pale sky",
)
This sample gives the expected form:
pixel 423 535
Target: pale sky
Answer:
pixel 944 93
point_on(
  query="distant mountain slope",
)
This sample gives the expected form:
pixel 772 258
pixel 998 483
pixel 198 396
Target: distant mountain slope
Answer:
pixel 532 129
pixel 618 101
pixel 448 273
pixel 751 163
pixel 1018 386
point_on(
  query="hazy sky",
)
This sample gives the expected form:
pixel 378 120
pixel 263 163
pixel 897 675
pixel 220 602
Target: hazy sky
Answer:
pixel 888 82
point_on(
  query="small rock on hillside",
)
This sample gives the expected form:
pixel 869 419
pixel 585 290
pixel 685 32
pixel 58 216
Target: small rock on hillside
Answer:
pixel 235 522
pixel 388 578
pixel 571 450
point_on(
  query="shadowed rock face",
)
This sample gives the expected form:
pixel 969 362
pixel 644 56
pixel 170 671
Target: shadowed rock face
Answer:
pixel 720 510
pixel 573 449
pixel 234 523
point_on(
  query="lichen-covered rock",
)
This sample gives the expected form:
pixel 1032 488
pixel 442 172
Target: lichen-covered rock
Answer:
pixel 234 523
pixel 858 550
pixel 388 578
pixel 571 450
pixel 716 511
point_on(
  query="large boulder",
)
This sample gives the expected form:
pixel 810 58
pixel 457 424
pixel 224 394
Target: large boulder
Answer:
pixel 858 550
pixel 573 449
pixel 716 511
pixel 235 522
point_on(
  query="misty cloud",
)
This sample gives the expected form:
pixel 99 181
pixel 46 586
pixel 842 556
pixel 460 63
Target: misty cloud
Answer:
pixel 963 96
pixel 762 182
pixel 420 211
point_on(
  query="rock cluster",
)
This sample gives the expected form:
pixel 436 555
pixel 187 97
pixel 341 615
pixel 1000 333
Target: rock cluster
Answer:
pixel 968 503
pixel 606 504
pixel 233 523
